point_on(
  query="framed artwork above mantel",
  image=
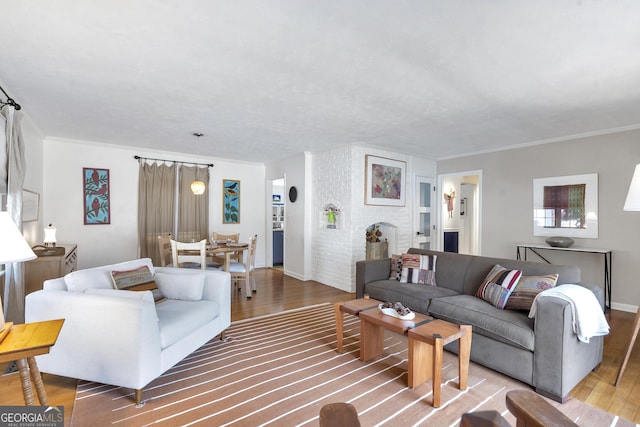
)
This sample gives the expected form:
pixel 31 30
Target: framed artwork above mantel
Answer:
pixel 566 206
pixel 385 181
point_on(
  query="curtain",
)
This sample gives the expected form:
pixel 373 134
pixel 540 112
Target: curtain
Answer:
pixel 156 206
pixel 13 298
pixel 193 213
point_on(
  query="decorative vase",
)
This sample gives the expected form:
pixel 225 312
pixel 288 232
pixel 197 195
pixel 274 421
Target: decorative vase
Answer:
pixel 559 241
pixel 377 250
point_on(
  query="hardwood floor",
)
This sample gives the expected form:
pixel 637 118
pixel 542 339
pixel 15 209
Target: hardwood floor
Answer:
pixel 277 292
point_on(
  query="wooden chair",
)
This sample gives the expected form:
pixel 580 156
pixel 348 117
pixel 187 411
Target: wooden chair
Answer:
pixel 244 271
pixel 197 259
pixel 166 257
pixel 235 238
pixel 339 414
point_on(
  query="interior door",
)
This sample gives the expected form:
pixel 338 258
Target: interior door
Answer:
pixel 424 230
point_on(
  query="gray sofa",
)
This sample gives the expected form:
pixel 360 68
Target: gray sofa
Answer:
pixel 542 352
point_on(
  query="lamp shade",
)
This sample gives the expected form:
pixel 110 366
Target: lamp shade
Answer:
pixel 13 246
pixel 198 187
pixel 633 196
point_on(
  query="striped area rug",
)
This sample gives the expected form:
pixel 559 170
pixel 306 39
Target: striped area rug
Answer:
pixel 281 369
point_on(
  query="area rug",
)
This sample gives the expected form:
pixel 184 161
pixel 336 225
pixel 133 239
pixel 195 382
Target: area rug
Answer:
pixel 281 369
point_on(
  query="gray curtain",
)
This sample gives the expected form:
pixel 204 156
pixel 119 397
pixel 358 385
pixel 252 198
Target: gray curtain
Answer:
pixel 156 206
pixel 13 298
pixel 193 213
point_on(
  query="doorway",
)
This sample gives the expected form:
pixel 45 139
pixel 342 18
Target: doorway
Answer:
pixel 277 221
pixel 459 216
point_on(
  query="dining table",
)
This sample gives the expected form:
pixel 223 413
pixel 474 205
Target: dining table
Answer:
pixel 226 249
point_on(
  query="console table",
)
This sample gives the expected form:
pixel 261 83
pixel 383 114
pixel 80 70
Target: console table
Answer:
pixel 606 253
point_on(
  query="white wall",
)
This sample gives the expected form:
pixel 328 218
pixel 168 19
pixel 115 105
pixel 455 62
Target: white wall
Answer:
pixel 118 241
pixel 339 178
pixel 507 205
pixel 33 181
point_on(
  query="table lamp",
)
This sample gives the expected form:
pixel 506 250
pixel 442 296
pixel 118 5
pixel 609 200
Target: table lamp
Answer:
pixel 632 204
pixel 13 248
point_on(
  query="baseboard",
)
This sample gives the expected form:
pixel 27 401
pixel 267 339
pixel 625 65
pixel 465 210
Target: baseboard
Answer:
pixel 624 307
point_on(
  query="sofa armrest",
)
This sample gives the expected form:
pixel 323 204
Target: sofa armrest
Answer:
pixel 370 271
pixel 561 361
pixel 108 339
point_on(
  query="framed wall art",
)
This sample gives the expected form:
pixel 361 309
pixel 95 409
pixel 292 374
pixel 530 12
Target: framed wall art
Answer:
pixel 97 208
pixel 385 181
pixel 30 205
pixel 566 206
pixel 230 201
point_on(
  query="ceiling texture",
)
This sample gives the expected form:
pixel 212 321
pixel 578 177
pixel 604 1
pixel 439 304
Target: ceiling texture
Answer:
pixel 266 79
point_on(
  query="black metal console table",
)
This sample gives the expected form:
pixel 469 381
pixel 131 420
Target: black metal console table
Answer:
pixel 606 253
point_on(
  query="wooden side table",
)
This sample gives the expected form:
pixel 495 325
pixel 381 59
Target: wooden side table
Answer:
pixel 426 344
pixel 353 307
pixel 22 344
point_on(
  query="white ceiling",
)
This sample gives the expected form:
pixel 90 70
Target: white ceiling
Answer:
pixel 266 79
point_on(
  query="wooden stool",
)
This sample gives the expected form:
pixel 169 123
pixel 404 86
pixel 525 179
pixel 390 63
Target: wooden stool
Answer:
pixel 353 307
pixel 339 415
pixel 531 410
pixel 483 419
pixel 426 343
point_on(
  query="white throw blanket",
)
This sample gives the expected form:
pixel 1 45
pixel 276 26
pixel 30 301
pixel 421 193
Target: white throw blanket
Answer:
pixel 588 318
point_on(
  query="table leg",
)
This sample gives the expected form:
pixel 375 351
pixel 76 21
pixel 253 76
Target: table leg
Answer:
pixel 339 325
pixel 464 353
pixel 36 377
pixel 227 261
pixel 26 381
pixel 371 340
pixel 420 362
pixel 437 368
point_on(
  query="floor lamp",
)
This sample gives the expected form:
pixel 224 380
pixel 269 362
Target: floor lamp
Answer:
pixel 13 248
pixel 632 204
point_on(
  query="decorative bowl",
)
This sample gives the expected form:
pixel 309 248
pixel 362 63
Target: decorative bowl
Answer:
pixel 392 312
pixel 559 241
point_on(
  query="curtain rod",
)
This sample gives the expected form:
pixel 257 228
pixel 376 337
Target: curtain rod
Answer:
pixel 9 101
pixel 209 165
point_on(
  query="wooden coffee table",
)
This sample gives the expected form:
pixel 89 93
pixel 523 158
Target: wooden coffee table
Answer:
pixel 372 326
pixel 353 307
pixel 426 344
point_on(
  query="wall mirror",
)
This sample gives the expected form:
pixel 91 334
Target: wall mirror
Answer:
pixel 566 206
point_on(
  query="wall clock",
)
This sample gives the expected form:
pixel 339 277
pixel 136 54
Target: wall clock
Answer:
pixel 293 194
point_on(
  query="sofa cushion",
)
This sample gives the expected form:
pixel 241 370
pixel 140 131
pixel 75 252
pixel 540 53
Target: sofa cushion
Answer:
pixel 498 285
pixel 187 287
pixel 137 279
pixel 100 277
pixel 396 267
pixel 144 295
pixel 414 296
pixel 527 289
pixel 508 326
pixel 419 269
pixel 177 318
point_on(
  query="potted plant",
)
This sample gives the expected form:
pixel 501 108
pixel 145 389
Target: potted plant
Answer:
pixel 376 248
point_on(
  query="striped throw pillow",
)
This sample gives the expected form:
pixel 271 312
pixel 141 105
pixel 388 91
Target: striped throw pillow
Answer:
pixel 498 285
pixel 419 269
pixel 396 267
pixel 138 279
pixel 527 289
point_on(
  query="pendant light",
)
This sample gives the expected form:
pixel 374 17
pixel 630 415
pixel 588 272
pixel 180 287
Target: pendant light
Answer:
pixel 197 186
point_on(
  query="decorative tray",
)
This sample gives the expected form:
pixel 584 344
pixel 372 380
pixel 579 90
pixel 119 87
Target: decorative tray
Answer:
pixel 392 312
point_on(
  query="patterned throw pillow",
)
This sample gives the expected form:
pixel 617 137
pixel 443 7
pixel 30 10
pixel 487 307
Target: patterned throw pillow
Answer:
pixel 419 269
pixel 527 289
pixel 396 267
pixel 498 285
pixel 139 279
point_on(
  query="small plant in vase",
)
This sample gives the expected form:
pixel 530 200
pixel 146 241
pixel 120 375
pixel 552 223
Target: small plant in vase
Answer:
pixel 376 248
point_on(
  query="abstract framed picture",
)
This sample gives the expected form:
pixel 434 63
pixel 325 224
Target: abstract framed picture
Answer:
pixel 230 201
pixel 384 181
pixel 97 208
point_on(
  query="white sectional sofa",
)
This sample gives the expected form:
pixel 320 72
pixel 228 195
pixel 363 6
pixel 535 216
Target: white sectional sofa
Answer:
pixel 122 337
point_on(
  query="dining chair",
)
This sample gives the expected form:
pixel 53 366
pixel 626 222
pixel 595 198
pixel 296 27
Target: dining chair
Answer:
pixel 196 258
pixel 235 238
pixel 244 270
pixel 166 257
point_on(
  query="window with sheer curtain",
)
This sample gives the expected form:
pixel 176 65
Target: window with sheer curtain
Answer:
pixel 166 205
